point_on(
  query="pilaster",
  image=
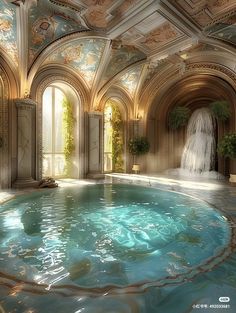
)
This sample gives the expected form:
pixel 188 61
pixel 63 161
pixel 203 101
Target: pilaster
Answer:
pixel 25 147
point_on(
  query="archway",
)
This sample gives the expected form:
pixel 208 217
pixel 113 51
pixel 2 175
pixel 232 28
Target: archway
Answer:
pixel 194 91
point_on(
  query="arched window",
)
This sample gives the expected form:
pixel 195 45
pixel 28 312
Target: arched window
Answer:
pixel 54 162
pixel 113 138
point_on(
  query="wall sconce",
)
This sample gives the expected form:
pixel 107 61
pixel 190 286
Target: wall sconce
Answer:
pixel 139 116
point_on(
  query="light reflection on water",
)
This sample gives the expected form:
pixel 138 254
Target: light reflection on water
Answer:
pixel 104 235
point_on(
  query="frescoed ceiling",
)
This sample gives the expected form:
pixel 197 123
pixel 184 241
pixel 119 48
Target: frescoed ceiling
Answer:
pixel 121 58
pixel 224 30
pixel 205 12
pixel 131 79
pixel 152 34
pixel 83 55
pixel 107 39
pixel 49 21
pixel 8 29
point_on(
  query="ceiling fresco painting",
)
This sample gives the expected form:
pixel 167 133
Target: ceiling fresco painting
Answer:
pixel 153 69
pixel 83 55
pixel 160 36
pixel 106 13
pixel 152 33
pixel 139 32
pixel 225 30
pixel 48 22
pixel 204 12
pixel 131 79
pixel 122 57
pixel 8 30
pixel 97 14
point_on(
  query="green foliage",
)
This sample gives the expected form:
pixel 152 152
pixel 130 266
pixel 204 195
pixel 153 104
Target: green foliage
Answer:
pixel 138 146
pixel 117 140
pixel 220 110
pixel 68 130
pixel 227 146
pixel 178 117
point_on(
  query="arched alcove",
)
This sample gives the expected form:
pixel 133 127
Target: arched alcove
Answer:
pixel 193 91
pixel 116 97
pixel 114 137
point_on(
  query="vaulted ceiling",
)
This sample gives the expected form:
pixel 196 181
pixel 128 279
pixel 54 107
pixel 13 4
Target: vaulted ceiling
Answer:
pixel 123 41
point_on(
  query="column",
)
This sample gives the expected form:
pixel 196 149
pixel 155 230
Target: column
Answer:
pixel 25 108
pixel 95 150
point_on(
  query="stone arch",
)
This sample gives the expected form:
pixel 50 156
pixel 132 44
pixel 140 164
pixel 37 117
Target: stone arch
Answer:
pixel 9 90
pixel 194 89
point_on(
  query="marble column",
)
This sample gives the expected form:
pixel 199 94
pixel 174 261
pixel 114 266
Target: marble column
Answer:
pixel 95 144
pixel 25 147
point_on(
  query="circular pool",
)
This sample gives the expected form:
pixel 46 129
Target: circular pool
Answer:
pixel 109 236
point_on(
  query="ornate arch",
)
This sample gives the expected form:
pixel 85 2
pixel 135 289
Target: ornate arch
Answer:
pixel 199 85
pixel 117 93
pixel 9 90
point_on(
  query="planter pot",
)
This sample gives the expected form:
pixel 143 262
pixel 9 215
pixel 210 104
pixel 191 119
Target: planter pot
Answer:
pixel 232 179
pixel 136 168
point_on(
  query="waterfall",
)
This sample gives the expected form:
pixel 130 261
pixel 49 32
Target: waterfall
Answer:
pixel 199 151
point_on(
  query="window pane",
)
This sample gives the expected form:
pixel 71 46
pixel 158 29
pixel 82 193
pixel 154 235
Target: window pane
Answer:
pixel 47 120
pixel 47 165
pixel 59 164
pixel 53 137
pixel 107 139
pixel 59 137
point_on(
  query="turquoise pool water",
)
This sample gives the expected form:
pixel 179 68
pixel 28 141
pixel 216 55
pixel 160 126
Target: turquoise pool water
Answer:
pixel 106 242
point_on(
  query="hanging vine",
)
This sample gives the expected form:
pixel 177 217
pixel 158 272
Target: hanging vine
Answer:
pixel 117 140
pixel 68 130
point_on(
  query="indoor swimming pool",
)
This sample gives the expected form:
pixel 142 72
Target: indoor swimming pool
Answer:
pixel 114 248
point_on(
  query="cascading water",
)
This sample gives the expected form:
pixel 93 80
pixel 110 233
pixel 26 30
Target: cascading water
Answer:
pixel 199 151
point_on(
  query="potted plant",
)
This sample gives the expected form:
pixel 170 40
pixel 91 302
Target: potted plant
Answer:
pixel 178 117
pixel 138 146
pixel 220 110
pixel 227 148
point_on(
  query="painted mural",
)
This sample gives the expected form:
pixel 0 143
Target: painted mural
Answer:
pixel 204 12
pixel 121 57
pixel 227 34
pixel 131 79
pixel 225 31
pixel 82 55
pixel 97 12
pixel 160 36
pixel 104 13
pixel 153 69
pixel 8 29
pixel 48 22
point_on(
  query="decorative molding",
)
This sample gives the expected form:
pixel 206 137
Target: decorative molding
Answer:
pixel 4 131
pixel 212 66
pixel 25 104
pixel 221 18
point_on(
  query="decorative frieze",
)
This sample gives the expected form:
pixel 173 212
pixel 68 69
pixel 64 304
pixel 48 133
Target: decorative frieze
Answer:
pixel 212 66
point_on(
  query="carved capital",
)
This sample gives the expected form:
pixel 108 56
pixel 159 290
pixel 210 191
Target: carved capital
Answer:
pixel 25 104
